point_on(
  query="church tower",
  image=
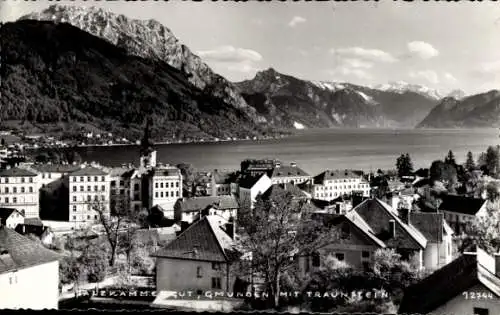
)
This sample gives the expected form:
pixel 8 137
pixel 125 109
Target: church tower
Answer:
pixel 148 153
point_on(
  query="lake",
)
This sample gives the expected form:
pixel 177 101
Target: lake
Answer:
pixel 315 150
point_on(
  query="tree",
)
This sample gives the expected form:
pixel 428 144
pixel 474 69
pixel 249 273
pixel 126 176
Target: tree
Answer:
pixel 492 161
pixel 450 159
pixel 275 232
pixel 404 165
pixel 94 262
pixel 445 173
pixel 73 157
pixel 481 160
pixel 483 232
pixel 470 165
pixel 492 191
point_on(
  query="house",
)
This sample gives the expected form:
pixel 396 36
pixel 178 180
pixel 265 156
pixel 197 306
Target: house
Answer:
pixel 163 185
pixel 275 170
pixel 11 217
pixel 19 190
pixel 36 227
pixel 125 192
pixel 335 206
pixel 468 285
pixel 296 193
pixel 29 273
pixel 330 184
pixel 459 211
pixel 89 187
pixel 249 187
pixel 221 183
pixel 372 225
pixel 191 209
pixel 198 260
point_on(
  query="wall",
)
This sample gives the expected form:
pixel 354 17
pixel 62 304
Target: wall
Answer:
pixel 462 306
pixel 36 288
pixel 27 201
pixel 180 274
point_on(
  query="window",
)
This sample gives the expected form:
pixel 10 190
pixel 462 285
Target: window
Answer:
pixel 6 199
pixel 103 197
pixel 6 190
pixel 81 188
pixel 95 188
pixel 88 207
pixel 22 189
pixel 199 272
pixel 74 178
pixel 161 194
pixel 136 186
pixel 215 266
pixel 156 185
pixel 96 178
pixel 88 217
pixel 481 311
pixel 14 200
pixel 96 198
pixel 171 194
pixel 156 194
pixel 89 198
pixel 14 189
pixel 95 217
pixel 122 191
pixel 31 179
pixel 102 178
pixel 22 179
pixel 177 184
pixel 161 185
pixel 89 188
pixel 74 209
pixel 74 198
pixel 113 183
pixel 365 254
pixel 216 283
pixel 316 259
pixel 103 188
pixel 31 189
pixel 339 256
pixel 177 193
pixel 74 217
pixel 88 178
pixel 6 180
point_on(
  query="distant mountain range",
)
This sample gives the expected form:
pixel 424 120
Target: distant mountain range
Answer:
pixel 480 110
pixel 108 72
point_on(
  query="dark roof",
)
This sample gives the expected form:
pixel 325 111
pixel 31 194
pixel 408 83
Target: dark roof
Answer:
pixel 287 171
pixel 278 188
pixel 249 181
pixel 6 212
pixel 22 252
pixel 336 174
pixel 120 171
pixel 429 224
pixel 16 172
pixel 166 171
pixel 201 203
pixel 55 168
pixel 203 240
pixel 33 222
pixel 88 171
pixel 450 281
pixel 377 215
pixel 461 204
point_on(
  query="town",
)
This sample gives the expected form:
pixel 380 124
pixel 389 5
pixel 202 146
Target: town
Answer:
pixel 266 236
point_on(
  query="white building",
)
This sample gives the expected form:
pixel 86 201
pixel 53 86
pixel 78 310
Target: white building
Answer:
pixel 284 174
pixel 191 209
pixel 29 273
pixel 11 218
pixel 50 173
pixel 330 185
pixel 19 190
pixel 89 187
pixel 165 188
pixel 250 187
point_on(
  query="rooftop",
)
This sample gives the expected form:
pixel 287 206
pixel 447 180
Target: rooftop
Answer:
pixel 461 204
pixel 336 174
pixel 17 172
pixel 287 171
pixel 6 212
pixel 201 203
pixel 21 252
pixel 249 181
pixel 55 168
pixel 89 171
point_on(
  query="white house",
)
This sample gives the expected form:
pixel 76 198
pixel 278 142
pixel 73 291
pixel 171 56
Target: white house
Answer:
pixel 29 273
pixel 19 190
pixel 468 285
pixel 11 218
pixel 330 185
pixel 250 187
pixel 191 209
pixel 165 188
pixel 459 211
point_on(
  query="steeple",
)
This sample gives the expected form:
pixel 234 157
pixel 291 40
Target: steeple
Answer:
pixel 148 153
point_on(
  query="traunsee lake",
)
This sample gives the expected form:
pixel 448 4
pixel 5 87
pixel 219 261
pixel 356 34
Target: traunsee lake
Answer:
pixel 315 150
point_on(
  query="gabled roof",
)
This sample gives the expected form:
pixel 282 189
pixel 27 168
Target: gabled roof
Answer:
pixel 450 281
pixel 461 204
pixel 361 224
pixel 166 171
pixel 6 212
pixel 120 171
pixel 287 171
pixel 21 252
pixel 249 181
pixel 33 222
pixel 201 203
pixel 430 224
pixel 204 240
pixel 277 188
pixel 17 172
pixel 336 174
pixel 55 168
pixel 378 214
pixel 89 171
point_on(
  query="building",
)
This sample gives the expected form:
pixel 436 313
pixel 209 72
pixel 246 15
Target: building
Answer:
pixel 29 273
pixel 459 211
pixel 198 260
pixel 36 227
pixel 89 194
pixel 330 185
pixel 49 173
pixel 221 183
pixel 249 187
pixel 191 209
pixel 295 192
pixel 11 217
pixel 275 170
pixel 19 190
pixel 468 285
pixel 125 189
pixel 164 187
pixel 418 237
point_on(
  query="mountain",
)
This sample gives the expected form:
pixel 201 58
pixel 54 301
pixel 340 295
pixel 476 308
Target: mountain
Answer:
pixel 57 75
pixel 403 87
pixel 480 110
pixel 147 39
pixel 285 100
pixel 457 94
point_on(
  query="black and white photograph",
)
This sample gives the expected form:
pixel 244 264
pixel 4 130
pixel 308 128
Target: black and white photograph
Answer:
pixel 278 156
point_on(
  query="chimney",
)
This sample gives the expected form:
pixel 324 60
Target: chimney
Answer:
pixel 497 264
pixel 404 214
pixel 392 228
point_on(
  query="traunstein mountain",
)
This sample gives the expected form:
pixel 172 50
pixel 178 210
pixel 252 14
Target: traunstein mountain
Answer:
pixel 148 39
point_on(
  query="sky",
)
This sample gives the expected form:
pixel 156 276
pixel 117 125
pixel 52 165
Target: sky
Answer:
pixel 442 45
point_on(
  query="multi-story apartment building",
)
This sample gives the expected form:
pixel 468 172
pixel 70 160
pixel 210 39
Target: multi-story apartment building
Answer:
pixel 164 187
pixel 89 189
pixel 19 190
pixel 276 171
pixel 125 189
pixel 50 173
pixel 330 185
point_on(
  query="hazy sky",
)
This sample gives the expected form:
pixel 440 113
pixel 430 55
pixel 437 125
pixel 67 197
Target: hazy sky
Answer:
pixel 438 44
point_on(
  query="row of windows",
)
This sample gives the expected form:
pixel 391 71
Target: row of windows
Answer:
pixel 326 195
pixel 14 190
pixel 345 180
pixel 89 198
pixel 161 195
pixel 5 180
pixel 89 208
pixel 89 178
pixel 88 218
pixel 89 188
pixel 343 187
pixel 160 185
